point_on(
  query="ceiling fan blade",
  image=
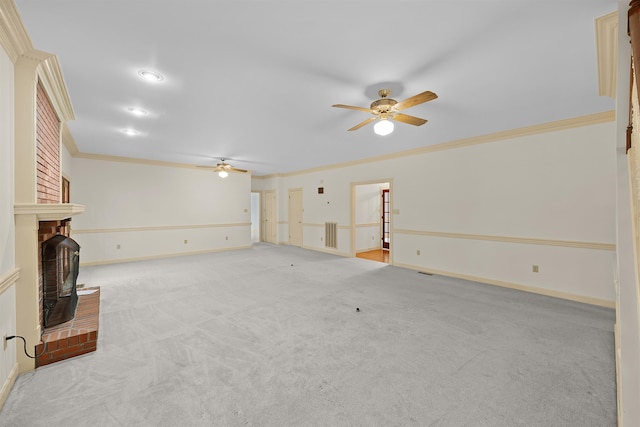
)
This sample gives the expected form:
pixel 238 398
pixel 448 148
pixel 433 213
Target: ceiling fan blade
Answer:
pixel 351 107
pixel 415 100
pixel 238 170
pixel 416 121
pixel 206 167
pixel 366 122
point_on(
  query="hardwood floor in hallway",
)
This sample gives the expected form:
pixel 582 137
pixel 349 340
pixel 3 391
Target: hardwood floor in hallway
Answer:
pixel 379 255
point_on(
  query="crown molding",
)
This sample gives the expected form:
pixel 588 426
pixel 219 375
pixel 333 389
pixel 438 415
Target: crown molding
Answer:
pixel 590 119
pixel 120 159
pixel 607 50
pixel 50 75
pixel 13 35
pixel 68 141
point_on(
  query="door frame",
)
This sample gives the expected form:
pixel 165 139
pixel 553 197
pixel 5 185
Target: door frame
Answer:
pixel 353 213
pixel 386 215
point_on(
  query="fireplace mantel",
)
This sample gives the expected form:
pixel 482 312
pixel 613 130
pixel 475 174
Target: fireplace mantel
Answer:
pixel 48 211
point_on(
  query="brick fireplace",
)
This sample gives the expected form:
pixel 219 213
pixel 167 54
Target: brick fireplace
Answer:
pixel 77 335
pixel 42 108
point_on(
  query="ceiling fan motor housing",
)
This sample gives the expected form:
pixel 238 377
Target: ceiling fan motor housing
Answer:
pixel 383 105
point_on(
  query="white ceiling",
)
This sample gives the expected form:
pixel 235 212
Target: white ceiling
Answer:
pixel 254 80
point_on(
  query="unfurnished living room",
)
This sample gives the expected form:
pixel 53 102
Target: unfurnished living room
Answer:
pixel 319 213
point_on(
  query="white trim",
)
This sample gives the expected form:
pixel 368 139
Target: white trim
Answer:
pixel 146 258
pixel 327 251
pixel 526 288
pixel 157 228
pixel 591 119
pixel 607 49
pixel 8 385
pixel 13 35
pixel 313 224
pixel 9 279
pixel 370 224
pixel 68 141
pixel 48 211
pixel 373 248
pixel 508 239
pixel 52 80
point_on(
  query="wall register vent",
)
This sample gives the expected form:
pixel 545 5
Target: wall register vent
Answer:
pixel 331 235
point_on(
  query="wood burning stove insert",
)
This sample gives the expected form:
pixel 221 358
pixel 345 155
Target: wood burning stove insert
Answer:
pixel 60 262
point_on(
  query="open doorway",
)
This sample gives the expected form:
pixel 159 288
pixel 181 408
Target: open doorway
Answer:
pixel 371 220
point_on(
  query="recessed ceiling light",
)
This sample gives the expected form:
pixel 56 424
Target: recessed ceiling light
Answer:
pixel 151 76
pixel 130 132
pixel 137 111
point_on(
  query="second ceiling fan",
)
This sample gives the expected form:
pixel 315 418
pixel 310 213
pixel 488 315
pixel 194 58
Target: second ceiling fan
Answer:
pixel 223 168
pixel 385 109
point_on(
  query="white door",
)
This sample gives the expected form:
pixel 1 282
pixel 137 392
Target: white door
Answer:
pixel 270 223
pixel 295 217
pixel 255 217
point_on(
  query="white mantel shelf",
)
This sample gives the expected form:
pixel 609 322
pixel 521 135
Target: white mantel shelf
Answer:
pixel 48 211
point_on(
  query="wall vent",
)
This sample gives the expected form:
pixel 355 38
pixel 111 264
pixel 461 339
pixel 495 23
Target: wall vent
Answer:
pixel 331 235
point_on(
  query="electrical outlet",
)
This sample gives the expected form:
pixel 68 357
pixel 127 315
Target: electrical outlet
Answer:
pixel 4 342
pixel 535 268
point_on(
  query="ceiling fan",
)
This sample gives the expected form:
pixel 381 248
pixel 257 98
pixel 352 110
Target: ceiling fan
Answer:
pixel 223 168
pixel 385 109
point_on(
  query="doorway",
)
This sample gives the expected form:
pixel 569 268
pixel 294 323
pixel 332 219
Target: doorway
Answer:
pixel 371 219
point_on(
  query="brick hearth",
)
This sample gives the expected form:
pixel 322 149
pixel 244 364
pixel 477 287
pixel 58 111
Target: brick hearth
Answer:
pixel 75 337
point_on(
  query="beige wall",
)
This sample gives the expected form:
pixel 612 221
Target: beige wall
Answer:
pixel 489 211
pixel 149 210
pixel 8 271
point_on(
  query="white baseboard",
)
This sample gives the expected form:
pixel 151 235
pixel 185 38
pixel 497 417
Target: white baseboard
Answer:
pixel 8 385
pixel 375 248
pixel 327 251
pixel 526 288
pixel 145 258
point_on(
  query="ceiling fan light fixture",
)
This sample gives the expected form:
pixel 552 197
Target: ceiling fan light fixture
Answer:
pixel 130 132
pixel 383 127
pixel 223 174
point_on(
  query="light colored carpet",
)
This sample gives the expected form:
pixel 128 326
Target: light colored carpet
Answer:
pixel 270 336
